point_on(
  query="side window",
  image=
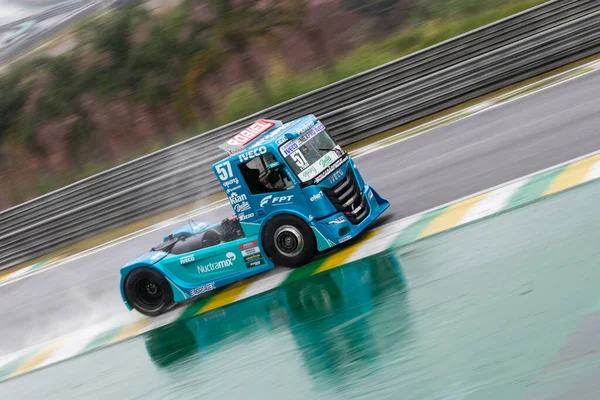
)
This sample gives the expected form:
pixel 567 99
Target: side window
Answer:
pixel 260 179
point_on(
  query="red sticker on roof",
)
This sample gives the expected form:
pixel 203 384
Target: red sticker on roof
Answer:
pixel 248 245
pixel 238 142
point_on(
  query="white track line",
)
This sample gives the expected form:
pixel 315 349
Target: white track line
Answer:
pixel 72 346
pixel 383 240
pixel 7 359
pixel 594 172
pixel 495 202
pixel 271 280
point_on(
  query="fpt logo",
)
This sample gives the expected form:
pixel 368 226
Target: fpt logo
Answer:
pixel 265 200
pixel 277 200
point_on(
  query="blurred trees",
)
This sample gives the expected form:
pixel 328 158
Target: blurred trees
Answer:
pixel 234 28
pixel 12 101
pixel 299 15
pixel 136 79
pixel 381 10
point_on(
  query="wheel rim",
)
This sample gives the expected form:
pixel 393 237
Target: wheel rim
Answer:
pixel 148 293
pixel 289 241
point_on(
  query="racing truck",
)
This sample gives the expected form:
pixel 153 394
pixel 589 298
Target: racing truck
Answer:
pixel 295 193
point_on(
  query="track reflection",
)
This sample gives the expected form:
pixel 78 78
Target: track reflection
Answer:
pixel 330 317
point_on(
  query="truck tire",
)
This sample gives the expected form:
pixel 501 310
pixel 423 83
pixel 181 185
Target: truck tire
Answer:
pixel 288 241
pixel 148 291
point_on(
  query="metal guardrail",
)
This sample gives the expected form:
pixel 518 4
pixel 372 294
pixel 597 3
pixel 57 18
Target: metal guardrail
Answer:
pixel 522 46
pixel 71 12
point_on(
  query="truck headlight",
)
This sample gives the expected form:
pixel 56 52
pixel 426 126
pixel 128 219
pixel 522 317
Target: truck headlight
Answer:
pixel 337 221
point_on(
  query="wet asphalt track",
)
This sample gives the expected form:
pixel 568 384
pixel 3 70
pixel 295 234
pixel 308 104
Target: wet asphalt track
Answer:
pixel 449 162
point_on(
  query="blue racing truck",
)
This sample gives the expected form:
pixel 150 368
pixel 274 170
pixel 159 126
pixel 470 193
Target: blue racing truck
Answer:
pixel 295 193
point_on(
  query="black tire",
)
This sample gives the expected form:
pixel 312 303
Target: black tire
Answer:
pixel 148 292
pixel 288 241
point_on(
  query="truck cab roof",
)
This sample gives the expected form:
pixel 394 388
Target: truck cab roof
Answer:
pixel 264 132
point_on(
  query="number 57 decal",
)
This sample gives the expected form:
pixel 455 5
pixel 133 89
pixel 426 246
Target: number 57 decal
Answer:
pixel 224 171
pixel 299 159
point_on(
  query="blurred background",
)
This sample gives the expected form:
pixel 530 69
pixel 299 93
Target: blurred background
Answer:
pixel 104 82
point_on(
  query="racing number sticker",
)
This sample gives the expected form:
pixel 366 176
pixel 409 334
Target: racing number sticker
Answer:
pixel 299 159
pixel 224 171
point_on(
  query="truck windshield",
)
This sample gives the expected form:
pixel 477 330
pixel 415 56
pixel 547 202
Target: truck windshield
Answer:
pixel 311 153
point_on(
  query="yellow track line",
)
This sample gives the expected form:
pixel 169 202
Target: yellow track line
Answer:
pixel 572 175
pixel 340 257
pixel 227 296
pixel 452 216
pixel 129 331
pixel 38 358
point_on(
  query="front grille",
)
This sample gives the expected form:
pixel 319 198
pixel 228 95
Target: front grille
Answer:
pixel 347 198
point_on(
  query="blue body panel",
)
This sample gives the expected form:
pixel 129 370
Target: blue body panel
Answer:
pixel 309 195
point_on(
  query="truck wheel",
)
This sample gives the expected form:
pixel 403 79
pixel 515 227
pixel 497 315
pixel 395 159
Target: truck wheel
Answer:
pixel 148 292
pixel 288 241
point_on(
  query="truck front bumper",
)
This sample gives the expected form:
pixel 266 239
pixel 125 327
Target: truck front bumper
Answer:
pixel 337 228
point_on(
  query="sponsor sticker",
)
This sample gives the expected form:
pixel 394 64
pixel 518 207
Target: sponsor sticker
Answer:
pixel 255 263
pixel 316 197
pixel 277 200
pixel 336 175
pixel 214 266
pixel 232 181
pixel 345 238
pixel 289 148
pixel 249 155
pixel 241 207
pixel 202 289
pixel 305 133
pixel 322 164
pixel 186 260
pixel 319 178
pixel 236 143
pixel 235 198
pixel 233 189
pixel 244 217
pixel 253 257
pixel 247 245
pixel 250 251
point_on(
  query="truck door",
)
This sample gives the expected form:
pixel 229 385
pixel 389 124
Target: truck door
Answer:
pixel 271 186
